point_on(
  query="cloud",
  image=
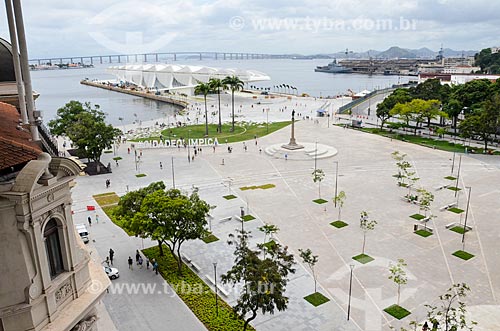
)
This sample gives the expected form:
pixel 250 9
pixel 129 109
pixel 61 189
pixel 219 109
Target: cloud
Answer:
pixel 60 28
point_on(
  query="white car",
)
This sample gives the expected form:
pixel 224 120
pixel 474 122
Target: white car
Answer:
pixel 83 232
pixel 111 272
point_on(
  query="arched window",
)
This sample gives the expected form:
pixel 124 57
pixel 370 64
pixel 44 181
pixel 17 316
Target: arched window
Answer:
pixel 53 248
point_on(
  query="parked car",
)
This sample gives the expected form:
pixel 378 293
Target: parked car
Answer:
pixel 82 231
pixel 111 272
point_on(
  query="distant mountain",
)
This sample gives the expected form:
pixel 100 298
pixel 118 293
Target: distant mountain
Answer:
pixel 396 52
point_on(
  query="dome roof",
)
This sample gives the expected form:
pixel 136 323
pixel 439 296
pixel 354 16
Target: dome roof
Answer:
pixel 6 63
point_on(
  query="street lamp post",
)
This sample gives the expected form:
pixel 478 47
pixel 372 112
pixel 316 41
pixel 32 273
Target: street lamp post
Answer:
pixel 458 174
pixel 267 121
pixel 315 155
pixel 216 295
pixel 242 213
pixel 350 291
pixel 189 147
pixel 173 173
pixel 336 180
pixel 466 214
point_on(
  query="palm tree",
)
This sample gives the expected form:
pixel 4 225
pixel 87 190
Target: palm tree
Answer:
pixel 204 88
pixel 217 84
pixel 235 84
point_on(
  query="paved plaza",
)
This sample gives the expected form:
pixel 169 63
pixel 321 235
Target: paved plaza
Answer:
pixel 365 174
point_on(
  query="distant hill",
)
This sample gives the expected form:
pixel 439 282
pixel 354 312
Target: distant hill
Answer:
pixel 396 52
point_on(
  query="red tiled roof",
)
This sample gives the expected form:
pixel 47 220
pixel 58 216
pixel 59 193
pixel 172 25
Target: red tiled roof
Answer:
pixel 15 145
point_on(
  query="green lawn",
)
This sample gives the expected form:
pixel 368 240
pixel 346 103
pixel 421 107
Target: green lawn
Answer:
pixel 463 255
pixel 140 175
pixel 263 187
pixel 458 229
pixel 316 299
pixel 209 238
pixel 424 141
pixel 450 178
pixel 195 293
pixel 339 224
pixel 242 131
pixel 456 210
pixel 453 188
pixel 106 199
pixel 117 158
pixel 229 197
pixel 397 311
pixel 320 201
pixel 269 245
pixel 247 217
pixel 418 217
pixel 363 258
pixel 107 152
pixel 423 233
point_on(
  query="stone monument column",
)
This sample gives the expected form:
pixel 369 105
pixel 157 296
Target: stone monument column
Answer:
pixel 292 145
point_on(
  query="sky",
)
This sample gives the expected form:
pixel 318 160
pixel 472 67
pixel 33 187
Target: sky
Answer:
pixel 99 27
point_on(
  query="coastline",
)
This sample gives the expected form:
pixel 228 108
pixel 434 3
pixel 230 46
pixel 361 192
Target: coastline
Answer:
pixel 146 95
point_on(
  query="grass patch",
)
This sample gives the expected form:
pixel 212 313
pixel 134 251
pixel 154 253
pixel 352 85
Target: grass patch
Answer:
pixel 106 199
pixel 339 224
pixel 453 188
pixel 247 217
pixel 107 152
pixel 140 175
pixel 108 210
pixel 202 301
pixel 456 210
pixel 263 187
pixel 242 131
pixel 229 197
pixel 316 299
pixel 209 238
pixel 117 158
pixel 458 229
pixel 418 140
pixel 450 178
pixel 320 201
pixel 397 311
pixel 418 217
pixel 423 233
pixel 463 255
pixel 363 258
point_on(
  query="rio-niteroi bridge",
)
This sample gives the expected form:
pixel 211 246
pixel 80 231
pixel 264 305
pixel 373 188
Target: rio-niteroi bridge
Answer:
pixel 157 57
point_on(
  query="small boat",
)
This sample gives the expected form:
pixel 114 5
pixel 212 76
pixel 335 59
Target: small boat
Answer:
pixel 333 67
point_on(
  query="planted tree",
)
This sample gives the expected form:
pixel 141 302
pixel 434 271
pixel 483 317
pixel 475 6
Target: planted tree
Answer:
pixel 217 85
pixel 264 280
pixel 85 126
pixel 403 167
pixel 171 218
pixel 450 313
pixel 269 230
pixel 339 200
pixel 204 89
pixel 366 225
pixel 318 176
pixel 398 275
pixel 311 260
pixel 234 83
pixel 384 108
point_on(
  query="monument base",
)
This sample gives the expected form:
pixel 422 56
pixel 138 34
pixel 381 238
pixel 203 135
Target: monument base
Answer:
pixel 292 145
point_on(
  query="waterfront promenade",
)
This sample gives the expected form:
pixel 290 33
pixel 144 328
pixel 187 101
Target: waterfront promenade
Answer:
pixel 365 174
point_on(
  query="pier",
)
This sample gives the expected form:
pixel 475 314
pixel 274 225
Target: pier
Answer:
pixel 142 94
pixel 157 57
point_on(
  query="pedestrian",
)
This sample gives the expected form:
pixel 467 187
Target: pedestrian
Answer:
pixel 286 157
pixel 147 263
pixel 89 219
pixel 425 327
pixel 260 150
pixel 137 256
pixel 116 163
pixel 222 162
pixel 128 150
pixel 96 218
pixel 111 255
pixel 130 262
pixel 155 267
pixel 140 262
pixel 107 261
pixel 161 166
pixel 108 183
